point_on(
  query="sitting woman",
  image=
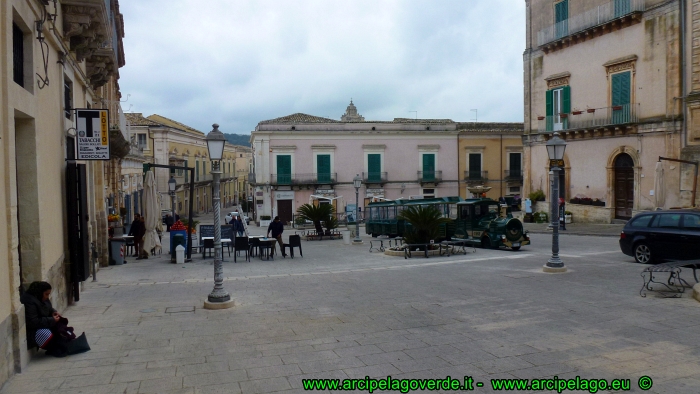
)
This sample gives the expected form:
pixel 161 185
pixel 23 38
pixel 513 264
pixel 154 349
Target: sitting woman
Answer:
pixel 46 329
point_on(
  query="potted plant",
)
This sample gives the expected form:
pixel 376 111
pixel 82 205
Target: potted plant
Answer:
pixel 590 110
pixel 424 223
pixel 567 217
pixel 316 214
pixel 617 107
pixel 563 116
pixel 540 118
pixel 541 217
pixel 576 112
pixel 586 201
pixel 265 220
pixel 575 200
pixel 537 195
pixel 599 203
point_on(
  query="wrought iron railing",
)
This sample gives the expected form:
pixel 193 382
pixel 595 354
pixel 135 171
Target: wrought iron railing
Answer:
pixel 514 175
pixel 592 117
pixel 374 177
pixel 591 18
pixel 429 176
pixel 476 176
pixel 303 179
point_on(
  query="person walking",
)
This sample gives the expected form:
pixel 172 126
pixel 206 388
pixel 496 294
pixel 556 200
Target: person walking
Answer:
pixel 276 228
pixel 169 220
pixel 238 226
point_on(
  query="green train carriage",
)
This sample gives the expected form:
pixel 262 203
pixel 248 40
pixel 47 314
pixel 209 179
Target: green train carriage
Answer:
pixel 383 216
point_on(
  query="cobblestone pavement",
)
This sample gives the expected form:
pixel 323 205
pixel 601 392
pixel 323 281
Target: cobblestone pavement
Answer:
pixel 342 312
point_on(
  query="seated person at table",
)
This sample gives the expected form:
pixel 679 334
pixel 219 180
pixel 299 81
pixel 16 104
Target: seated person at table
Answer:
pixel 277 228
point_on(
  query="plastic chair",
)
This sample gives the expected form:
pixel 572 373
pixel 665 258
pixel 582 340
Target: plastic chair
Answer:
pixel 294 242
pixel 207 244
pixel 241 245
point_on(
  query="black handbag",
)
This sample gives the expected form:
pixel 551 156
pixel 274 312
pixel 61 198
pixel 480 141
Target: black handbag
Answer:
pixel 78 345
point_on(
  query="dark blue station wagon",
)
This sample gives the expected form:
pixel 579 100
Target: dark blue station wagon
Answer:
pixel 652 237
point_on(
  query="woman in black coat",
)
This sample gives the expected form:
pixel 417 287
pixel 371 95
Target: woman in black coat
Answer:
pixel 39 314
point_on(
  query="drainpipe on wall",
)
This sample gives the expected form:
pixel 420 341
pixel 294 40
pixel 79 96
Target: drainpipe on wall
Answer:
pixel 684 130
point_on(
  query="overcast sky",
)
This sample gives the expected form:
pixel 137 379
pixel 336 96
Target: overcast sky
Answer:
pixel 236 62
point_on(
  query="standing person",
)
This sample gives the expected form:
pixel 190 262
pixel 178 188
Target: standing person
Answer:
pixel 168 222
pixel 132 232
pixel 277 228
pixel 139 232
pixel 238 226
pixel 501 200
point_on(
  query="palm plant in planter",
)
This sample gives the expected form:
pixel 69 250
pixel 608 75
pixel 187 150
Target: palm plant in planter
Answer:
pixel 425 223
pixel 316 214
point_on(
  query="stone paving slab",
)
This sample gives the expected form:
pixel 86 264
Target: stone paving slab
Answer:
pixel 342 312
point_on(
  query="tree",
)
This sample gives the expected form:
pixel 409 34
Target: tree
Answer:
pixel 316 214
pixel 425 222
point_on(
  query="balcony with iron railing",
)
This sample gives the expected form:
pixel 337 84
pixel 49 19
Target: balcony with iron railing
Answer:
pixel 429 176
pixel 603 16
pixel 304 179
pixel 374 177
pixel 592 118
pixel 473 176
pixel 513 175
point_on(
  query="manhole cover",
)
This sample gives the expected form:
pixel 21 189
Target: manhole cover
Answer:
pixel 179 309
pixel 149 310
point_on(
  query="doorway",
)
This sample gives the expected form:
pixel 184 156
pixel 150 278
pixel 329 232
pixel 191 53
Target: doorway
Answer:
pixel 624 186
pixel 284 210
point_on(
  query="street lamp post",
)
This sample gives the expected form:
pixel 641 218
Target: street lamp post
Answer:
pixel 218 298
pixel 555 151
pixel 357 183
pixel 172 184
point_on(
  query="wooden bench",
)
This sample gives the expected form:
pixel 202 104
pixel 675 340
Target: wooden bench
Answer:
pixel 674 286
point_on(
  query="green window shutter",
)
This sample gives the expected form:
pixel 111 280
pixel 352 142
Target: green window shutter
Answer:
pixel 323 167
pixel 515 162
pixel 622 7
pixel 561 18
pixel 549 109
pixel 566 104
pixel 284 169
pixel 374 167
pixel 428 166
pixel 621 86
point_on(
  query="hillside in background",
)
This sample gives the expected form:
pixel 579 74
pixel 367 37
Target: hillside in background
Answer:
pixel 238 139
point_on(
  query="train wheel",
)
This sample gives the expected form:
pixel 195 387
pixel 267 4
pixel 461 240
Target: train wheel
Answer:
pixel 486 243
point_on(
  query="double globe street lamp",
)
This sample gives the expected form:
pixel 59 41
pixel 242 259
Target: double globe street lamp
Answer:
pixel 218 298
pixel 555 150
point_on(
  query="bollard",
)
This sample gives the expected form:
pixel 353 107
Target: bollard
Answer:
pixel 346 237
pixel 180 254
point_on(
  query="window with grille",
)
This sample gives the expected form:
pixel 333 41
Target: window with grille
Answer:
pixel 67 97
pixel 142 141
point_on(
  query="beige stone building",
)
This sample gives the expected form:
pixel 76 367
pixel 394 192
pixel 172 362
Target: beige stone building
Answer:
pixel 59 56
pixel 609 76
pixel 166 141
pixel 491 154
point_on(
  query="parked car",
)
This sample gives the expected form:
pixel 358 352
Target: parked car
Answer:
pixel 651 237
pixel 231 215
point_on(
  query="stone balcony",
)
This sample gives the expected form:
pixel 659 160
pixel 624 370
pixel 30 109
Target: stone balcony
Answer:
pixel 93 28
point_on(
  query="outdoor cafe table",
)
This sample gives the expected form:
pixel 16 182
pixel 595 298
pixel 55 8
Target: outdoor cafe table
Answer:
pixel 269 245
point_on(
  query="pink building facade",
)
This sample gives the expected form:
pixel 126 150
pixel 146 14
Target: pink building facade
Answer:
pixel 301 159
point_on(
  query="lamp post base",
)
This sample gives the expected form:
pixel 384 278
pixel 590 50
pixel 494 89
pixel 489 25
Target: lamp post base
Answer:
pixel 553 270
pixel 218 305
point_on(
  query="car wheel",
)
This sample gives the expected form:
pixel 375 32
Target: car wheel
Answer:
pixel 642 253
